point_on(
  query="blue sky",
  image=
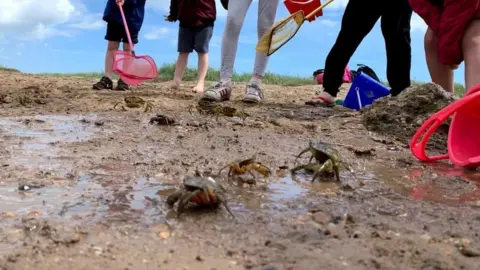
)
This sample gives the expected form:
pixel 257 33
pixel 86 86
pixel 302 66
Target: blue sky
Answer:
pixel 68 36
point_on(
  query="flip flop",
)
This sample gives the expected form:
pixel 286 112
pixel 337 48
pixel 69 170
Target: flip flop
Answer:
pixel 320 101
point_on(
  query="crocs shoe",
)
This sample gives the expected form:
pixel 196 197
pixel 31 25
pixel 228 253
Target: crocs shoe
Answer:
pixel 253 93
pixel 104 83
pixel 218 92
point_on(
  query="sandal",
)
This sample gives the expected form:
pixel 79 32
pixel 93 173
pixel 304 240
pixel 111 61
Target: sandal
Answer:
pixel 320 101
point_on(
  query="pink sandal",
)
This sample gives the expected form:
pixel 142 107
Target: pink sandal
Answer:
pixel 320 101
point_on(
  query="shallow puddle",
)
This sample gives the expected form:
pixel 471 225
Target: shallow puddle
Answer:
pixel 438 182
pixel 34 142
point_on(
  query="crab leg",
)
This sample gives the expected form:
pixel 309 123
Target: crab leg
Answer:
pixel 222 201
pixel 205 190
pixel 185 200
pixel 301 153
pixel 173 198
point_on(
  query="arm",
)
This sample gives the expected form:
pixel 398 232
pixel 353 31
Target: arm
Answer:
pixel 173 16
pixel 456 16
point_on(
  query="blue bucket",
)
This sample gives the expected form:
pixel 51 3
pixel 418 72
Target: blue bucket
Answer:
pixel 364 91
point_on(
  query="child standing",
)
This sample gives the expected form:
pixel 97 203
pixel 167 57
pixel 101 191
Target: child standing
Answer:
pixel 453 35
pixel 237 11
pixel 357 22
pixel 196 19
pixel 134 12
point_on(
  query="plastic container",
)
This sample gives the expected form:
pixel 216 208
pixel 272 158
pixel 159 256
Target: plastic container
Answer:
pixel 463 136
pixel 364 91
pixel 306 5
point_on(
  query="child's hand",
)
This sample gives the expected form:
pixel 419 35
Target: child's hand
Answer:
pixel 120 2
pixel 168 18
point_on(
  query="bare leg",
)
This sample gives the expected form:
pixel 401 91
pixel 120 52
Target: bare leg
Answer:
pixel 202 72
pixel 180 67
pixel 471 53
pixel 111 48
pixel 440 74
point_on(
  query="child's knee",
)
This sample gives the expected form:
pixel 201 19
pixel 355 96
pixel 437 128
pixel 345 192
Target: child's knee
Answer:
pixel 430 40
pixel 113 46
pixel 471 39
pixel 234 22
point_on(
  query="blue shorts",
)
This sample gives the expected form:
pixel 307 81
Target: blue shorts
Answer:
pixel 198 39
pixel 116 32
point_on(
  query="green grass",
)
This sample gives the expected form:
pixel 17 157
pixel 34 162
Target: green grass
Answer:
pixel 166 72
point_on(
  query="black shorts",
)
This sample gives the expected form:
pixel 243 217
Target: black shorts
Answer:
pixel 116 32
pixel 197 39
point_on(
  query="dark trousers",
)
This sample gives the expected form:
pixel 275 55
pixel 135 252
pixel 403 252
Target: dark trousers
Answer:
pixel 358 20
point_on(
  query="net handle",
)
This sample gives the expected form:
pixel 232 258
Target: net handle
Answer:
pixel 309 16
pixel 127 31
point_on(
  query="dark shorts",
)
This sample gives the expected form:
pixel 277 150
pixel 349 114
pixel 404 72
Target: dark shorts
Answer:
pixel 197 39
pixel 116 32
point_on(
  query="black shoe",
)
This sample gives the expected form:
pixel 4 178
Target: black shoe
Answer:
pixel 104 83
pixel 121 85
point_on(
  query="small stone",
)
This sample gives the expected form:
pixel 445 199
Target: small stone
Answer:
pixel 425 237
pixel 99 123
pixel 321 218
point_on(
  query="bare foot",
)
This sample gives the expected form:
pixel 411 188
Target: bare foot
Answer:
pixel 199 88
pixel 176 85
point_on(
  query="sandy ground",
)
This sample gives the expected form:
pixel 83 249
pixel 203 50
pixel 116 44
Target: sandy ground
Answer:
pixel 99 179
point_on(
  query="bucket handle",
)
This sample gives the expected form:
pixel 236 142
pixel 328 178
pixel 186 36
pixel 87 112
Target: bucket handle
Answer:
pixel 432 123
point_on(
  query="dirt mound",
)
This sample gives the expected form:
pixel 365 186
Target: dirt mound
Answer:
pixel 401 116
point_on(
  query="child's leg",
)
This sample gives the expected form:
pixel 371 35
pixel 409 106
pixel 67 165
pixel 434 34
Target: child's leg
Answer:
pixel 186 43
pixel 180 67
pixel 267 9
pixel 471 54
pixel 439 73
pixel 111 48
pixel 237 10
pixel 202 42
pixel 357 21
pixel 396 32
pixel 221 91
pixel 113 36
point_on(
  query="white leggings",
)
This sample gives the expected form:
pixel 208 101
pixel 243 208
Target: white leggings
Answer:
pixel 237 11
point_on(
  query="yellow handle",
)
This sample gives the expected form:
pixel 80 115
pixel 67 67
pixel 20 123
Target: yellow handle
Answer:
pixel 318 9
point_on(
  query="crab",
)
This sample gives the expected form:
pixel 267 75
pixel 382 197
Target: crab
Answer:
pixel 248 165
pixel 199 190
pixel 327 160
pixel 135 102
pixel 209 108
pixel 162 119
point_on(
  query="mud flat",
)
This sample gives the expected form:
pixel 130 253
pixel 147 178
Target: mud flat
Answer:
pixel 83 186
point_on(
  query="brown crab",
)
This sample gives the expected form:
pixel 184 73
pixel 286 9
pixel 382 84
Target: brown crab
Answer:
pixel 134 102
pixel 238 168
pixel 327 160
pixel 199 190
pixel 214 109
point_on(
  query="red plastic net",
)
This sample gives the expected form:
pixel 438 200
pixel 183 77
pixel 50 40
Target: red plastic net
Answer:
pixel 134 69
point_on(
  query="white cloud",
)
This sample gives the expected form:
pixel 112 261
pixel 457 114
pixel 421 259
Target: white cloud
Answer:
pixel 337 4
pixel 89 22
pixel 34 17
pixel 158 33
pixel 417 24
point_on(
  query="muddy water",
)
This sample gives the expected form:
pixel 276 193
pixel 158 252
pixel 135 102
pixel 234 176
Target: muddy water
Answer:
pixel 438 182
pixel 102 194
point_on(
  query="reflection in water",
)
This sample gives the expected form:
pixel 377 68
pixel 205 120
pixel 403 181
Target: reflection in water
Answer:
pixel 437 182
